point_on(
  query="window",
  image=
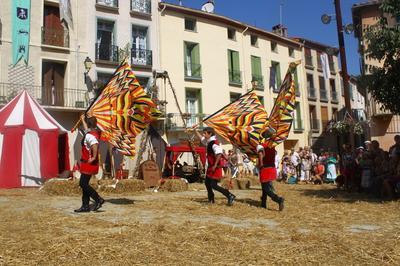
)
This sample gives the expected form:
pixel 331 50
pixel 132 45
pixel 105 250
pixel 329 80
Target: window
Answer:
pixel 193 106
pixel 110 3
pixel 141 6
pixel 144 82
pixel 332 84
pixel 313 118
pixel 275 76
pixel 254 40
pixel 192 60
pixel 231 34
pixel 309 61
pixel 190 24
pixel 53 75
pixel 53 32
pixel 351 93
pixel 234 67
pixel 105 48
pixel 310 87
pixel 140 54
pixel 331 63
pixel 102 79
pixel 291 52
pixel 261 98
pixel 319 60
pixel 274 47
pixel 334 114
pixel 296 82
pixel 297 122
pixel 322 89
pixel 257 78
pixel 234 96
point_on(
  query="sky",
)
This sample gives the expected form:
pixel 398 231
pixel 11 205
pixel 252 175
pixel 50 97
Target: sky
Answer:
pixel 301 17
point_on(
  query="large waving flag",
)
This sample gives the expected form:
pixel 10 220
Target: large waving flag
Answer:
pixel 281 117
pixel 240 122
pixel 123 110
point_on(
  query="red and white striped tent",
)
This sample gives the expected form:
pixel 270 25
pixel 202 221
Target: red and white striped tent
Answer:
pixel 33 146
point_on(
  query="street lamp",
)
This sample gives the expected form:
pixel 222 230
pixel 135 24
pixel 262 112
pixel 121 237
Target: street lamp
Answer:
pixel 326 19
pixel 254 83
pixel 88 64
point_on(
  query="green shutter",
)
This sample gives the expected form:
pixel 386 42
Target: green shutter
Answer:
pixel 235 61
pixel 278 75
pixel 296 82
pixel 230 60
pixel 195 55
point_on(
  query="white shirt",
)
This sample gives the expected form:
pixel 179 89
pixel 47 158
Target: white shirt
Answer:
pixel 295 158
pixel 216 148
pixel 260 148
pixel 89 141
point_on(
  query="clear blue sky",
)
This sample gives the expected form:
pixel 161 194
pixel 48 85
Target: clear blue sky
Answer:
pixel 301 17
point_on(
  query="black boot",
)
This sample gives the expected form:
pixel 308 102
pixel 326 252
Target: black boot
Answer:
pixel 84 208
pixel 281 204
pixel 98 203
pixel 231 199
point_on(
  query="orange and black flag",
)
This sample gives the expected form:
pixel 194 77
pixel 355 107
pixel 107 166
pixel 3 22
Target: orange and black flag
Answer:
pixel 240 122
pixel 123 110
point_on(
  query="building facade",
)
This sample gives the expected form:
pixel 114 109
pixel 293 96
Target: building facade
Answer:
pixel 383 124
pixel 216 59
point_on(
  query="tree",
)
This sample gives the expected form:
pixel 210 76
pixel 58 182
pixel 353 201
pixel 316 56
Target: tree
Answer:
pixel 383 41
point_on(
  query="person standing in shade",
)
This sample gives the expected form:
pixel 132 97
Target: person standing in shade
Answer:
pixel 214 169
pixel 89 164
pixel 267 172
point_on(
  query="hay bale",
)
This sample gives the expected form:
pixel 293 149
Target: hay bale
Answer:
pixel 61 187
pixel 174 185
pixel 243 183
pixel 123 186
pixel 229 183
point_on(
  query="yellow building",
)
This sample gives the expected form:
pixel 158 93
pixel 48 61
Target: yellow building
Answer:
pixel 212 60
pixel 383 125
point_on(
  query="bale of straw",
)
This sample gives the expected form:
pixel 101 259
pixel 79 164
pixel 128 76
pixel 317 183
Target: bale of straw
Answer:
pixel 124 186
pixel 243 183
pixel 174 185
pixel 61 187
pixel 229 183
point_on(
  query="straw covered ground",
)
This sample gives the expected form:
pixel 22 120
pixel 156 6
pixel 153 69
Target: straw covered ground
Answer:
pixel 319 225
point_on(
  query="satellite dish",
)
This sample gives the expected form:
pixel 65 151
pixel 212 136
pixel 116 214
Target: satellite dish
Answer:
pixel 326 19
pixel 208 7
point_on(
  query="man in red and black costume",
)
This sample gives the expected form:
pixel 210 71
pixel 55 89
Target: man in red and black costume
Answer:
pixel 89 164
pixel 267 172
pixel 214 170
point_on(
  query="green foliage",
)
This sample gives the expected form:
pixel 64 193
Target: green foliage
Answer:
pixel 383 42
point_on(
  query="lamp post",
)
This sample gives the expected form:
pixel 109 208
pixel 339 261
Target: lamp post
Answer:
pixel 326 19
pixel 254 83
pixel 88 65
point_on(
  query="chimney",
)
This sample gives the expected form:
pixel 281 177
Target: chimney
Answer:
pixel 280 30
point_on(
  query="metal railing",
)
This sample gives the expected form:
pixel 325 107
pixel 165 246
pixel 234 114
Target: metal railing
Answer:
pixel 334 96
pixel 107 52
pixel 192 70
pixel 332 66
pixel 323 95
pixel 142 6
pixel 110 3
pixel 175 120
pixel 55 37
pixel 314 124
pixel 312 93
pixel 235 77
pixel 298 124
pixel 60 97
pixel 309 60
pixel 260 81
pixel 141 57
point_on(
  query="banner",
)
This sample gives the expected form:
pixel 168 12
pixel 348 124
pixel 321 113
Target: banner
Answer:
pixel 21 16
pixel 325 66
pixel 65 13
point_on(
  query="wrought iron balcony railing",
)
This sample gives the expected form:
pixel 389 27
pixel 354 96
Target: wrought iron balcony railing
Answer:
pixel 312 93
pixel 175 120
pixel 141 57
pixel 334 96
pixel 259 81
pixel 48 97
pixel 323 95
pixel 235 77
pixel 109 3
pixel 107 52
pixel 309 60
pixel 141 6
pixel 55 37
pixel 314 123
pixel 192 71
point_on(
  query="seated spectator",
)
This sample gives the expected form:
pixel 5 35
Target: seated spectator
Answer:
pixel 319 171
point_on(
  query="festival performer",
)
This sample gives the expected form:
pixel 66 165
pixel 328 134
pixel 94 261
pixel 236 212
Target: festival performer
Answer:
pixel 267 172
pixel 89 164
pixel 214 170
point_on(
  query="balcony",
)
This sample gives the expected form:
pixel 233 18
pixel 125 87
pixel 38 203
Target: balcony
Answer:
pixel 110 5
pixel 141 8
pixel 55 37
pixel 192 71
pixel 334 97
pixel 298 125
pixel 174 121
pixel 64 98
pixel 314 124
pixel 260 81
pixel 235 77
pixel 323 95
pixel 377 110
pixel 312 94
pixel 140 57
pixel 107 53
pixel 309 61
